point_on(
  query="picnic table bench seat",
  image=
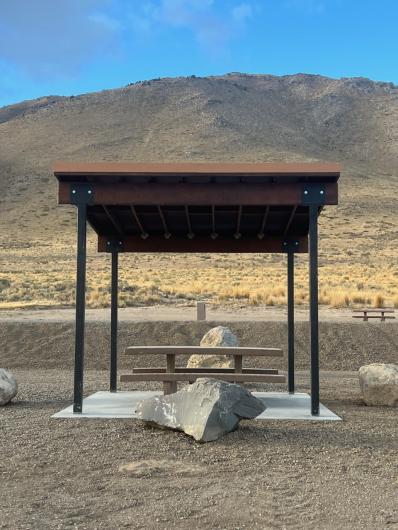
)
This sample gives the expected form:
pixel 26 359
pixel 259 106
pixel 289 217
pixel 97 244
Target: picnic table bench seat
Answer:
pixel 171 374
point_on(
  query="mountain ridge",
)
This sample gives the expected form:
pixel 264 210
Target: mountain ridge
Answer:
pixel 236 117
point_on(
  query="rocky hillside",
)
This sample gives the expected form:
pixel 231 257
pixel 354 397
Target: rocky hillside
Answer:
pixel 235 117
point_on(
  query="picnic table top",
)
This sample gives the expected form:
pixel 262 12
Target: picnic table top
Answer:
pixel 204 350
pixel 381 310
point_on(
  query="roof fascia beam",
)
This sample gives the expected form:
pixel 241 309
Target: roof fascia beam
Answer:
pixel 287 194
pixel 206 244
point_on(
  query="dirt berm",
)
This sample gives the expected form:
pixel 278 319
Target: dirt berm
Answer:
pixel 343 346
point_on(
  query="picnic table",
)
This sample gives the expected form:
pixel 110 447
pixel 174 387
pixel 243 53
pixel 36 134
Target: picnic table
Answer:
pixel 365 314
pixel 170 374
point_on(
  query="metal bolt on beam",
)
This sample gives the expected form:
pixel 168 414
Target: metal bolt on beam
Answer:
pixel 290 246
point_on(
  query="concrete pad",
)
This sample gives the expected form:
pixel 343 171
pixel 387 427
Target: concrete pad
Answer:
pixel 108 405
pixel 284 406
pixel 119 405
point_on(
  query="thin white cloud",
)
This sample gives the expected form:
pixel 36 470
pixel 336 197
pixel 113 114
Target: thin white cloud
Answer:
pixel 313 7
pixel 184 12
pixel 108 22
pixel 211 27
pixel 242 12
pixel 48 37
pixel 57 38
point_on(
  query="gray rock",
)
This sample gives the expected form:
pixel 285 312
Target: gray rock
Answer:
pixel 379 384
pixel 218 336
pixel 205 410
pixel 8 386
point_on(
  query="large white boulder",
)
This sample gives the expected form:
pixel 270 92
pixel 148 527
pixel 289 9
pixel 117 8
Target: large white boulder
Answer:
pixel 205 410
pixel 8 386
pixel 379 384
pixel 218 336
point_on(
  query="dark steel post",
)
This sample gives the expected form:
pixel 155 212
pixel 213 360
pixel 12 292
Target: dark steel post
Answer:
pixel 290 320
pixel 114 293
pixel 80 305
pixel 314 339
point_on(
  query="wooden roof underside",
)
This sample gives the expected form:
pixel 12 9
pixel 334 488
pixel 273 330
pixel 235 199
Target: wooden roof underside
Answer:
pixel 198 207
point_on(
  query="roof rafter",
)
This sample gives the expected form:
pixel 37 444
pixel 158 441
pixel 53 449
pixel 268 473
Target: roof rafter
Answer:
pixel 144 234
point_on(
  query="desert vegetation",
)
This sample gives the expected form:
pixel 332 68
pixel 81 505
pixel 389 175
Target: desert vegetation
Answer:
pixel 230 118
pixel 46 277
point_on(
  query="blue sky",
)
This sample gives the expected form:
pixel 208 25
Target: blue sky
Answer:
pixel 73 46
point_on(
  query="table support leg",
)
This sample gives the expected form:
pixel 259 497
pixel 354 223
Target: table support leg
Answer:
pixel 238 364
pixel 170 387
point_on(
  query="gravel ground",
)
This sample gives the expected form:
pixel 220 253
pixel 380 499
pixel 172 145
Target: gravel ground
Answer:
pixel 312 475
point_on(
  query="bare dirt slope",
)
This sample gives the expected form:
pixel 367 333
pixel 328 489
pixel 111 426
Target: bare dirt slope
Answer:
pixel 43 344
pixel 236 117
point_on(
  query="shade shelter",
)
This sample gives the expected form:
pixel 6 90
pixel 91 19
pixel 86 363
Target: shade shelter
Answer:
pixel 198 207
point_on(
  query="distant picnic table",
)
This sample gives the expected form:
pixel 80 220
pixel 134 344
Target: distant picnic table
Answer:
pixel 381 313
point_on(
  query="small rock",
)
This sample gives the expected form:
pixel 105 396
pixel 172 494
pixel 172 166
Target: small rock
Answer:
pixel 8 386
pixel 379 384
pixel 205 410
pixel 218 336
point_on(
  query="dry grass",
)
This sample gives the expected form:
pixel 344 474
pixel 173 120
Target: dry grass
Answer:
pixel 54 290
pixel 45 276
pixel 357 259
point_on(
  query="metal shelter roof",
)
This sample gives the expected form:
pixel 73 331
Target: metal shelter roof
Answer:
pixel 199 207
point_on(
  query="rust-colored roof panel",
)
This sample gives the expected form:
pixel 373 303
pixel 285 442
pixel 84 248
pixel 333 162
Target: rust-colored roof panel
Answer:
pixel 195 168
